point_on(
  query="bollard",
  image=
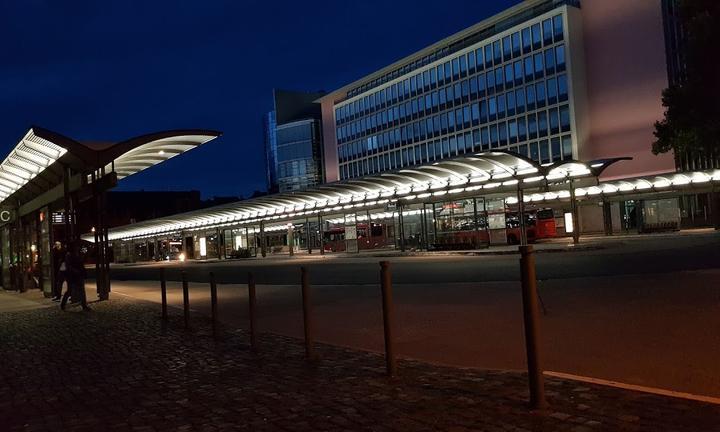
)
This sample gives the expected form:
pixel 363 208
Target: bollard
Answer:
pixel 163 293
pixel 213 303
pixel 531 319
pixel 251 306
pixel 307 312
pixel 388 317
pixel 186 300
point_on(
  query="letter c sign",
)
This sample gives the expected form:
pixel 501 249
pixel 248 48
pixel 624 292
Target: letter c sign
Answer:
pixel 5 216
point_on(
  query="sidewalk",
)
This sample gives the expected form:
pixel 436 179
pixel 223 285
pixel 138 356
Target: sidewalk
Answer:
pixel 119 368
pixel 13 301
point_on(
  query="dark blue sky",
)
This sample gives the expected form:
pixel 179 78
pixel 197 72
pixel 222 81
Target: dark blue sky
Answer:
pixel 110 70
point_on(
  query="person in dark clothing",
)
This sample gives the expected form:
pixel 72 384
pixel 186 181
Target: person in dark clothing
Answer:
pixel 75 276
pixel 58 257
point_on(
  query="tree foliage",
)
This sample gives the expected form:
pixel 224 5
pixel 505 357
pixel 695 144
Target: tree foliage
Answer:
pixel 692 107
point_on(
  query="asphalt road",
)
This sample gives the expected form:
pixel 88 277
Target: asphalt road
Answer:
pixel 650 255
pixel 643 312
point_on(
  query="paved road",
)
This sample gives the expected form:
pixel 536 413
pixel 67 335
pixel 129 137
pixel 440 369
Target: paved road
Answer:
pixel 651 255
pixel 641 312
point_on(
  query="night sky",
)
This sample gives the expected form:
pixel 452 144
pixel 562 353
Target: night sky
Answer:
pixel 110 70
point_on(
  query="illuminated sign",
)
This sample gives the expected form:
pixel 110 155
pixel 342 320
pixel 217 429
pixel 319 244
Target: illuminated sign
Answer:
pixel 569 227
pixel 6 215
pixel 203 247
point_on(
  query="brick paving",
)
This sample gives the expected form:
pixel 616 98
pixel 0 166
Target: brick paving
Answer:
pixel 120 368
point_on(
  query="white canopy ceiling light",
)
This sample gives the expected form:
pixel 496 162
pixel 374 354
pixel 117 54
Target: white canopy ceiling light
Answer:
pixel 39 149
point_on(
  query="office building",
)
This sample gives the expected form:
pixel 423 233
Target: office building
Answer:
pixel 293 141
pixel 550 80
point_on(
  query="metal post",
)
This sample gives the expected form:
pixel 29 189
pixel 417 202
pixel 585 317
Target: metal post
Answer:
pixel 163 293
pixel 213 303
pixel 251 306
pixel 291 239
pixel 321 233
pixel 401 227
pixel 307 313
pixel 263 252
pixel 388 317
pixel 308 235
pixel 574 211
pixel 108 246
pixel 521 215
pixel 715 208
pixel 186 300
pixel 531 319
pixel 607 217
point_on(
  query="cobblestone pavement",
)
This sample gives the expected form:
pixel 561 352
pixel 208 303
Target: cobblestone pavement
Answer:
pixel 119 368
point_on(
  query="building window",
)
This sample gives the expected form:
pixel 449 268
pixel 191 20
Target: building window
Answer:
pixel 526 40
pixel 516 49
pixel 558 28
pixel 536 37
pixel 560 58
pixel 562 88
pixel 565 118
pixel 547 32
pixel 555 149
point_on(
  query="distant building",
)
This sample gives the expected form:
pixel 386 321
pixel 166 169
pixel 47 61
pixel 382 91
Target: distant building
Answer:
pixel 271 151
pixel 293 141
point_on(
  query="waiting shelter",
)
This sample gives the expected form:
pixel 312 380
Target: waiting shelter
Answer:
pixel 47 176
pixel 462 203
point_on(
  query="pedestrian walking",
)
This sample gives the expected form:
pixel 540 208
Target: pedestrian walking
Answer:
pixel 58 268
pixel 75 277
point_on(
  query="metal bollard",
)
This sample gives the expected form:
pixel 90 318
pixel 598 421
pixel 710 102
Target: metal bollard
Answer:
pixel 213 303
pixel 531 318
pixel 163 294
pixel 307 312
pixel 388 317
pixel 186 300
pixel 251 306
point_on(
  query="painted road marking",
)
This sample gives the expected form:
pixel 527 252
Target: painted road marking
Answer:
pixel 644 389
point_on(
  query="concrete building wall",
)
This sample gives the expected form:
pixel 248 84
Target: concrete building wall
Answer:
pixel 625 75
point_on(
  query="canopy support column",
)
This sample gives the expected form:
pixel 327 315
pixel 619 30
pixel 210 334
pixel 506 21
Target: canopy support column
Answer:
pixel 321 233
pixel 291 239
pixel 308 235
pixel 521 216
pixel 574 211
pixel 607 217
pixel 263 251
pixel 401 227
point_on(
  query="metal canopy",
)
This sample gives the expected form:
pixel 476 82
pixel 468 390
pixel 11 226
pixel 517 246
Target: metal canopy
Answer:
pixel 35 165
pixel 30 157
pixel 495 171
pixel 639 185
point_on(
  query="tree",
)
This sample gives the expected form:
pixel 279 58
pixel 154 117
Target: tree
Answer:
pixel 692 106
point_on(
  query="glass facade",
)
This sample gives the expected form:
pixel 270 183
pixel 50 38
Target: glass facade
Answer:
pixel 271 151
pixel 298 152
pixel 508 92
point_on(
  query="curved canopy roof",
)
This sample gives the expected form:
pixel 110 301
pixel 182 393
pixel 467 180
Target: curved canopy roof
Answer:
pixel 491 170
pixel 35 164
pixel 655 183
